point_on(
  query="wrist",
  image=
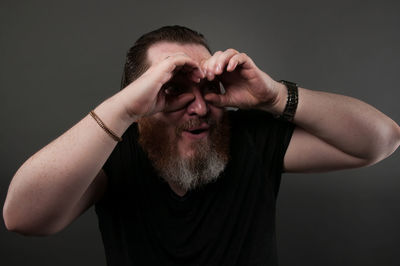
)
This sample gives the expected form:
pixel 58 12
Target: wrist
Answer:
pixel 284 105
pixel 277 106
pixel 113 113
pixel 292 101
pixel 125 108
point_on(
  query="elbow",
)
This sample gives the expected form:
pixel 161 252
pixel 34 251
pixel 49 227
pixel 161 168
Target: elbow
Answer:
pixel 28 230
pixel 11 224
pixel 391 140
pixel 397 134
pixel 22 226
pixel 386 144
pixel 14 228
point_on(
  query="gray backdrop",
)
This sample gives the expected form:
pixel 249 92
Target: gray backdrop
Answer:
pixel 58 60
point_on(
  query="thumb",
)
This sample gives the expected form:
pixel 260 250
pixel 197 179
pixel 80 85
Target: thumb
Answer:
pixel 179 102
pixel 219 100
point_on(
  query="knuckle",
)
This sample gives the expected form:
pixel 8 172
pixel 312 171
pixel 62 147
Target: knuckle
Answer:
pixel 231 50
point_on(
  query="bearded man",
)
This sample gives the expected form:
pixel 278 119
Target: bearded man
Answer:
pixel 191 182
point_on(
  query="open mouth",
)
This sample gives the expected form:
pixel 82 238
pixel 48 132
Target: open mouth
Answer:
pixel 196 133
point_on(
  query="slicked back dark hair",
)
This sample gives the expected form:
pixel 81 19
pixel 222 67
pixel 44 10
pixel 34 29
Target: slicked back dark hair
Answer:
pixel 136 59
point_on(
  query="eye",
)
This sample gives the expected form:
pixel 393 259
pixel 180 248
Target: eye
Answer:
pixel 174 90
pixel 212 87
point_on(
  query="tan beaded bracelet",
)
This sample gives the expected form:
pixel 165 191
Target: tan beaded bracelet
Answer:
pixel 103 126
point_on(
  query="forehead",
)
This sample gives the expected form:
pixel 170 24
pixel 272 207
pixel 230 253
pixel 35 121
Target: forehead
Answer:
pixel 160 51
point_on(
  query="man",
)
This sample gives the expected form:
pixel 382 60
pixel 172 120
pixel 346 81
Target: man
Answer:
pixel 190 182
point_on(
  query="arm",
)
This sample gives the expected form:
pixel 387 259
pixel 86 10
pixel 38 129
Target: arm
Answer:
pixel 333 131
pixel 64 178
pixel 43 193
pixel 336 132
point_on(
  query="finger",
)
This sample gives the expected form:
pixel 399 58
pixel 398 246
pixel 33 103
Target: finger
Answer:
pixel 219 100
pixel 196 75
pixel 178 102
pixel 179 62
pixel 203 65
pixel 221 63
pixel 174 63
pixel 193 74
pixel 185 68
pixel 239 59
pixel 209 65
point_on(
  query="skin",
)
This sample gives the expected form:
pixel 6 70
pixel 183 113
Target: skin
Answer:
pixel 59 182
pixel 334 147
pixel 194 89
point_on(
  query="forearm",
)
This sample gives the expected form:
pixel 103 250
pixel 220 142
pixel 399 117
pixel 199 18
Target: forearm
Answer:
pixel 52 181
pixel 348 124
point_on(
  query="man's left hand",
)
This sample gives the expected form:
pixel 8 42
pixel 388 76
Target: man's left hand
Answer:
pixel 245 84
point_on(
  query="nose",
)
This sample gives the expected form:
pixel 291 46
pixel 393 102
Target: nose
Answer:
pixel 198 106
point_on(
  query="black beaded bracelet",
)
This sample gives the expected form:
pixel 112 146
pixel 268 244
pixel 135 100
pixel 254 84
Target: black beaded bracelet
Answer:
pixel 292 100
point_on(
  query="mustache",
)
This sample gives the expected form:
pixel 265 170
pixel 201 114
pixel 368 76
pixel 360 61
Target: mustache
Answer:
pixel 195 122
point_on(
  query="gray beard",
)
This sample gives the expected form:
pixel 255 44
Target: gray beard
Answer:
pixel 204 166
pixel 189 173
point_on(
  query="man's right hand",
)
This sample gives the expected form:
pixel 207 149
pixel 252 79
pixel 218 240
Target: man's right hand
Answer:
pixel 144 96
pixel 68 169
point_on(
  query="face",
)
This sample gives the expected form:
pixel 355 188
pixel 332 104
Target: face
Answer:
pixel 190 144
pixel 189 131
